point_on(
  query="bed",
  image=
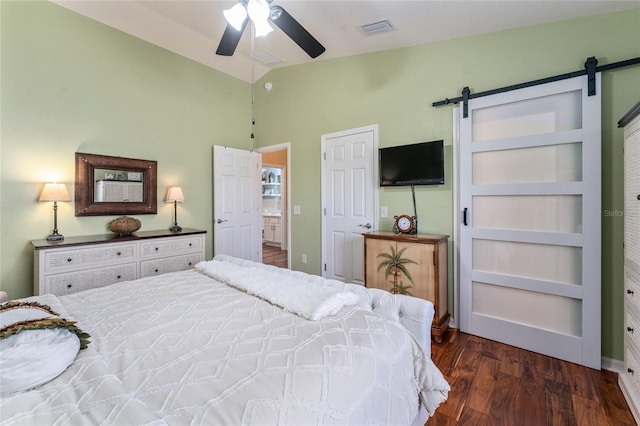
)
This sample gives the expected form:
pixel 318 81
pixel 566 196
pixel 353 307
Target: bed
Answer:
pixel 234 342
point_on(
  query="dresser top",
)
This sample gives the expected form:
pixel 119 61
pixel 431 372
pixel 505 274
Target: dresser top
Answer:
pixel 388 235
pixel 112 238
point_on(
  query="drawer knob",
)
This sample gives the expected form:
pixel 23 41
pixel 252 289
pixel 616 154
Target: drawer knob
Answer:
pixel 630 329
pixel 68 259
pixel 69 285
pixel 156 270
pixel 119 276
pixel 156 248
pixel 119 253
pixel 630 292
pixel 638 197
pixel 189 263
pixel 629 370
pixel 190 244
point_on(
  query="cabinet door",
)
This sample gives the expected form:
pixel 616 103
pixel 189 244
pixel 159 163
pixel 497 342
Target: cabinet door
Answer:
pixel 114 192
pixel 277 233
pixel 373 277
pixel 134 192
pixel 268 233
pixel 422 271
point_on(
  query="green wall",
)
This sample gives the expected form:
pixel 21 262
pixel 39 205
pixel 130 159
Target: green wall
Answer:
pixel 395 89
pixel 70 84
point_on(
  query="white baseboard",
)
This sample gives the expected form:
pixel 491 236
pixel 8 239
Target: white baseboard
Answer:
pixel 612 365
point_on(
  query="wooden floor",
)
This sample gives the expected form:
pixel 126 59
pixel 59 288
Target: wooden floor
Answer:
pixel 274 256
pixel 496 384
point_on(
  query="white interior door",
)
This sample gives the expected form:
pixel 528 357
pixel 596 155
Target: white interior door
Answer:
pixel 349 193
pixel 237 203
pixel 530 196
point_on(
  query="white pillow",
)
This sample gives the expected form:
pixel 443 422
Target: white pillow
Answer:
pixel 36 345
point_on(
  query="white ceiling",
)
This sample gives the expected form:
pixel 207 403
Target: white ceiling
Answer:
pixel 193 28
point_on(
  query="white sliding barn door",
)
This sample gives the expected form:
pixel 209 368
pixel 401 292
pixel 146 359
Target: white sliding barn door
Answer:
pixel 237 203
pixel 530 196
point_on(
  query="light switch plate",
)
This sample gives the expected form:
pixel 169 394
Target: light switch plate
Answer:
pixel 296 209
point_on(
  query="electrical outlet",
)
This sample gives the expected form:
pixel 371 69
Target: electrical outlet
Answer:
pixel 296 209
pixel 304 258
pixel 384 211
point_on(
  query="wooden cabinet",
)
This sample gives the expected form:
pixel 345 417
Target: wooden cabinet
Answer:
pixel 425 259
pixel 630 378
pixel 81 263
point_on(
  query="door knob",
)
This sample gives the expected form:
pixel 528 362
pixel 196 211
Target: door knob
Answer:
pixel 366 225
pixel 221 220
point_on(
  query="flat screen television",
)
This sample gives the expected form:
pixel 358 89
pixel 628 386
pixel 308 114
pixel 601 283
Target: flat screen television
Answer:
pixel 415 164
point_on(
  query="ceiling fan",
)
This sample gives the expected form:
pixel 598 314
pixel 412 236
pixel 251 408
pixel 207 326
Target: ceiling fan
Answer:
pixel 260 13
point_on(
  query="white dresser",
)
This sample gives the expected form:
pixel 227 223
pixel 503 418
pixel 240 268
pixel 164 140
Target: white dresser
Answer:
pixel 629 380
pixel 80 263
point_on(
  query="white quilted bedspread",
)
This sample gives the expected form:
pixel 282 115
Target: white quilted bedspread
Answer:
pixel 183 349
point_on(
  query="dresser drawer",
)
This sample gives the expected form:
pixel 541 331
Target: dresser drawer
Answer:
pixel 632 293
pixel 632 329
pixel 271 219
pixel 632 367
pixel 170 264
pixel 61 284
pixel 170 246
pixel 88 257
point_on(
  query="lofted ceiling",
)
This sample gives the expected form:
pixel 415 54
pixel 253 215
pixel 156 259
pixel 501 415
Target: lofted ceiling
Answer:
pixel 193 28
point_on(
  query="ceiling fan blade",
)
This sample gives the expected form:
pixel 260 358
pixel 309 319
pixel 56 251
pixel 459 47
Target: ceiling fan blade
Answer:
pixel 296 32
pixel 230 40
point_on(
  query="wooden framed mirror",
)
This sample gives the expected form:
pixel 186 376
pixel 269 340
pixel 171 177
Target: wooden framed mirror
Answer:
pixel 115 185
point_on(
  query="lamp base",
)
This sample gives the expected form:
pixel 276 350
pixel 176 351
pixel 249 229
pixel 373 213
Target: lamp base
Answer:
pixel 175 228
pixel 55 237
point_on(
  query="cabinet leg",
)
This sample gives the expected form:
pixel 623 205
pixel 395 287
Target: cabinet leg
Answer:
pixel 438 330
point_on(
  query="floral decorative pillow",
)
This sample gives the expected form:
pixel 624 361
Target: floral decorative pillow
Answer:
pixel 36 345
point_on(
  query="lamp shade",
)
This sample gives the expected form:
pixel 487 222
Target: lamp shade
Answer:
pixel 54 192
pixel 174 193
pixel 236 16
pixel 258 11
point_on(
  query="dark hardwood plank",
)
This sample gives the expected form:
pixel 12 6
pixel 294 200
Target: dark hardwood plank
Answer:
pixel 559 404
pixel 497 384
pixel 274 256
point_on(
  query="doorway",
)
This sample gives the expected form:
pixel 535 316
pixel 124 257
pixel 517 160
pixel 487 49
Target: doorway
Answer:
pixel 275 190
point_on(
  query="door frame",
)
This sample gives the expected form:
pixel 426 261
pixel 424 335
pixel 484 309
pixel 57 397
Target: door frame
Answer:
pixel 279 147
pixel 323 190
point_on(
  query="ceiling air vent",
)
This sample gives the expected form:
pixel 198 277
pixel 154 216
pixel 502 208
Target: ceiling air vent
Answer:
pixel 266 58
pixel 383 26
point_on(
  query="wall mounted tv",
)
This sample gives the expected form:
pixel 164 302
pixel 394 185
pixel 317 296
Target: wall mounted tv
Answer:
pixel 415 164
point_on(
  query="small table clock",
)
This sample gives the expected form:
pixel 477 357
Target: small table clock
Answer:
pixel 405 224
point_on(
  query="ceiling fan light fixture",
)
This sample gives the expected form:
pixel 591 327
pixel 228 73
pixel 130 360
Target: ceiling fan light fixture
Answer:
pixel 258 11
pixel 236 16
pixel 262 28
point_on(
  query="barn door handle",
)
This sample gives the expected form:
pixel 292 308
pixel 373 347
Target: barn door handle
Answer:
pixel 221 220
pixel 464 216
